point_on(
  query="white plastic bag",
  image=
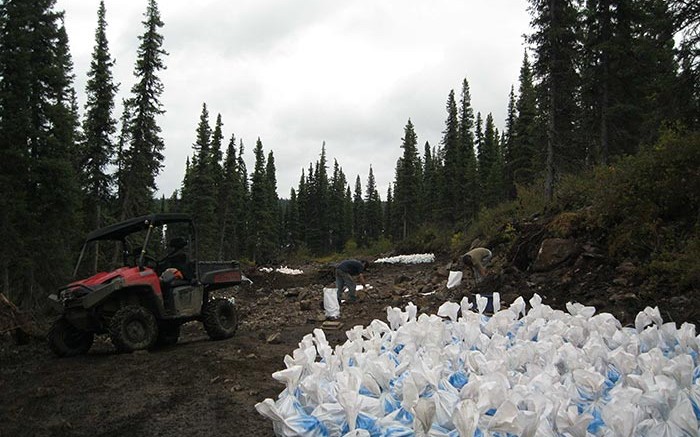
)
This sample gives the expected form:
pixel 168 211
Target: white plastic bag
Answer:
pixel 330 303
pixel 454 279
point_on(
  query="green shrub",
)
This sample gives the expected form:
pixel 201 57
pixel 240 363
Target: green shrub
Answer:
pixel 490 221
pixel 646 199
pixel 575 191
pixel 428 238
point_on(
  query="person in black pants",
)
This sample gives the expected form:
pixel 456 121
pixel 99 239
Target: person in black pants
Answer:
pixel 344 273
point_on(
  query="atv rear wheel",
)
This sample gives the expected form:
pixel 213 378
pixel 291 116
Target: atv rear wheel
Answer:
pixel 65 340
pixel 132 328
pixel 220 318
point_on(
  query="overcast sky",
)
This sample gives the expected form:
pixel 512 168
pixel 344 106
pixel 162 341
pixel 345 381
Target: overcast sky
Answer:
pixel 298 73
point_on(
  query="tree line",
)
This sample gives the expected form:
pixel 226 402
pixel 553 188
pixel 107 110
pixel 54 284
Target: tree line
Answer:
pixel 599 79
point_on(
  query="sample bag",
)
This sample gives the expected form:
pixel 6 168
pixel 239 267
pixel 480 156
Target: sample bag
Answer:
pixel 454 279
pixel 331 306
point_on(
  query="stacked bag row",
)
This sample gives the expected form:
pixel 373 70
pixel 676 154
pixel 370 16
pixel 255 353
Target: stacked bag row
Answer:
pixel 519 372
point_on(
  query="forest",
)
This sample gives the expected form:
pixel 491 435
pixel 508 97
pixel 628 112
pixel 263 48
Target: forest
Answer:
pixel 601 82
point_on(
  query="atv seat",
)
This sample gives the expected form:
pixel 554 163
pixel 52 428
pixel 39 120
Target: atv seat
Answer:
pixel 177 258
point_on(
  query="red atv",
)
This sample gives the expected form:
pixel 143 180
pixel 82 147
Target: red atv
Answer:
pixel 150 289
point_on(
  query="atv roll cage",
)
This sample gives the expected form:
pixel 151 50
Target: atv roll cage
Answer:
pixel 120 231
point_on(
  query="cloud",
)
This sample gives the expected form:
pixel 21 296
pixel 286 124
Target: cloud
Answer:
pixel 297 74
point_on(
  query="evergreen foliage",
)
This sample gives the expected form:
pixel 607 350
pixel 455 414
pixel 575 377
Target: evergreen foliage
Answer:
pixel 142 159
pixel 38 174
pixel 99 126
pixel 407 186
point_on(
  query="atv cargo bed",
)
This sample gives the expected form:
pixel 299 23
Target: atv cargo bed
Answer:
pixel 219 274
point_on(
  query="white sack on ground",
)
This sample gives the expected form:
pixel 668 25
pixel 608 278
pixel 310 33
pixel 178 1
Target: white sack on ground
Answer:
pixel 331 306
pixel 541 372
pixel 454 279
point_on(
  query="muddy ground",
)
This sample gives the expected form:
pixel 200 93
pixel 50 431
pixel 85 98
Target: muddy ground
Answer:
pixel 202 387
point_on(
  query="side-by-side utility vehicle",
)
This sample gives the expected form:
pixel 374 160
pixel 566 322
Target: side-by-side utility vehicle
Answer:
pixel 152 284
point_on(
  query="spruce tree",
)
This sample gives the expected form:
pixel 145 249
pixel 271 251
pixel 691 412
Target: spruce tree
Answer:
pixel 557 51
pixel 99 126
pixel 231 205
pixel 263 217
pixel 454 169
pixel 339 231
pixel 469 195
pixel 358 227
pixel 523 158
pixel 200 197
pixel 38 122
pixel 629 75
pixel 373 209
pixel 273 204
pixel 508 142
pixel 430 185
pixel 389 215
pixel 143 158
pixel 407 184
pixel 216 156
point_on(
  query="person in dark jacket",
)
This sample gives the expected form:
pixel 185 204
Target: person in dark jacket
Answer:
pixel 344 273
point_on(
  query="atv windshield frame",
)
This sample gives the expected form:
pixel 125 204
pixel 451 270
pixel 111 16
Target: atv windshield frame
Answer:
pixel 119 232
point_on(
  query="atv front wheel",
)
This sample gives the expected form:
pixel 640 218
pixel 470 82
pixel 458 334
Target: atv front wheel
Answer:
pixel 220 318
pixel 132 328
pixel 65 340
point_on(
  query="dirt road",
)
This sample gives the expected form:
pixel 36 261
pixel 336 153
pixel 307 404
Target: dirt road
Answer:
pixel 197 387
pixel 205 388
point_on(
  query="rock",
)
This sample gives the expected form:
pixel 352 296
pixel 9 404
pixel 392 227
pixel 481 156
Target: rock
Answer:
pixel 307 305
pixel 401 279
pixel 679 301
pixel 554 251
pixel 292 292
pixel 306 294
pixel 621 282
pixel 626 267
pixel 275 338
pixel 623 297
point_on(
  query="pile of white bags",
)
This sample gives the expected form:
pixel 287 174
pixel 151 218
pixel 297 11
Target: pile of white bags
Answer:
pixel 418 258
pixel 541 372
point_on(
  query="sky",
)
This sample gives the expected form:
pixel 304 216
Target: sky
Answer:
pixel 300 73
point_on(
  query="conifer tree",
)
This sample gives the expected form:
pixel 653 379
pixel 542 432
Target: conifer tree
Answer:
pixel 38 122
pixel 469 193
pixel 358 227
pixel 373 209
pixel 407 185
pixel 338 226
pixel 507 146
pixel 292 225
pixel 272 203
pixel 264 218
pixel 389 215
pixel 201 195
pixel 231 205
pixel 488 150
pixel 453 164
pixel 99 126
pixel 302 208
pixel 523 157
pixel 556 46
pixel 430 185
pixel 143 158
pixel 216 156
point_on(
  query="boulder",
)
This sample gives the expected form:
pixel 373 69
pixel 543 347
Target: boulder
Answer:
pixel 553 252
